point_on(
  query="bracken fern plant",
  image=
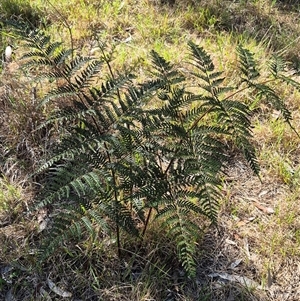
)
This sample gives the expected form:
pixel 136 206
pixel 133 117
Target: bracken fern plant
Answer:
pixel 128 152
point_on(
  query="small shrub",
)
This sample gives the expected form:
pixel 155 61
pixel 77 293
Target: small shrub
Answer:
pixel 129 152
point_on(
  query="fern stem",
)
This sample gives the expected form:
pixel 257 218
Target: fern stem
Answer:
pixel 241 90
pixel 195 123
pixel 116 201
pixel 107 61
pixel 147 221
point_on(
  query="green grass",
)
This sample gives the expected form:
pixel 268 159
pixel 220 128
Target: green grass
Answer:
pixel 264 27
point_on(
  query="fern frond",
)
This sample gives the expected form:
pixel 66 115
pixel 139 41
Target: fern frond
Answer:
pixel 127 149
pixel 87 75
pixel 248 65
pixel 184 231
pixel 121 215
pixel 60 57
pixel 63 224
pixel 277 66
pixel 159 63
pixel 36 39
pixel 236 118
pixel 43 52
pixel 272 98
pixel 165 70
pixel 100 219
pixel 201 59
pixel 74 86
pixel 71 68
pixel 82 185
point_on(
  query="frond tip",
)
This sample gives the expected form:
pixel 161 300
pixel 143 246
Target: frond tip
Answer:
pixel 248 65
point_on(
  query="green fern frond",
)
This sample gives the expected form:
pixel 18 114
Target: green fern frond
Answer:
pixel 61 92
pixel 87 75
pixel 248 65
pixel 165 70
pixel 233 116
pixel 76 85
pixel 236 118
pixel 36 39
pixel 128 149
pixel 100 219
pixel 277 66
pixel 272 98
pixel 121 215
pixel 71 68
pixel 63 224
pixel 201 59
pixel 289 81
pixel 184 231
pixel 89 226
pixel 69 149
pixel 61 57
pixel 52 48
pixel 43 52
pixel 160 64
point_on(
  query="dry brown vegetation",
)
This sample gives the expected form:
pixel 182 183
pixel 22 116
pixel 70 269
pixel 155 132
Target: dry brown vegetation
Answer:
pixel 254 254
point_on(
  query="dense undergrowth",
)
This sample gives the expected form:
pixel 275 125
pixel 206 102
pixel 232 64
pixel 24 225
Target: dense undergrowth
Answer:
pixel 124 159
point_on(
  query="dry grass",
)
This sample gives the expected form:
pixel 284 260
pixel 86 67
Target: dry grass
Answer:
pixel 259 223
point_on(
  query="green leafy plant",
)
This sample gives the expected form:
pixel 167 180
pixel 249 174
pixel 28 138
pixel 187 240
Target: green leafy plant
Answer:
pixel 131 152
